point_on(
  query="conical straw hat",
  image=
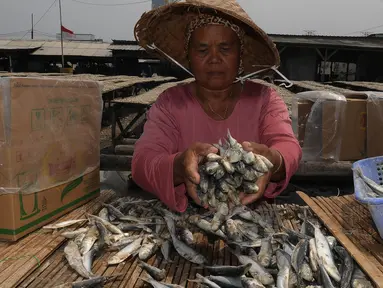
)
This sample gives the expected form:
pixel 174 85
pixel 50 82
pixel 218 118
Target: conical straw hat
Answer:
pixel 166 28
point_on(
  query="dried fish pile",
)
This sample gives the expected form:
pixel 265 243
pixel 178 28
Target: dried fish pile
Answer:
pixel 223 175
pixel 133 228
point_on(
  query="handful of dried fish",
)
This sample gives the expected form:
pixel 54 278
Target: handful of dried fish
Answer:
pixel 232 170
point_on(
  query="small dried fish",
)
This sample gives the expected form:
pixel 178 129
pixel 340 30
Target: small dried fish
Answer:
pixel 157 274
pixel 325 255
pixel 347 267
pixel 250 282
pixel 203 280
pixel 228 270
pixel 64 224
pixel 74 233
pixel 126 252
pixel 183 249
pixel 90 237
pixel 74 258
pixel 226 281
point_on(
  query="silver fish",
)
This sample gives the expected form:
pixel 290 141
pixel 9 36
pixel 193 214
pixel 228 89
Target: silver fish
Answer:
pixel 284 268
pixel 264 255
pixel 248 157
pixel 87 258
pixel 90 238
pixel 205 226
pixel 359 280
pixel 63 224
pixel 183 249
pixel 325 278
pixel 251 282
pixel 325 255
pixel 240 167
pixel 226 281
pixel 313 255
pixel 203 280
pixel 113 210
pixel 212 157
pixel 126 252
pixel 165 250
pixel 219 216
pixel 256 270
pixel 104 214
pixel 156 273
pixel 74 233
pixel 148 249
pixel 259 164
pixel 187 236
pixel 112 228
pixel 232 271
pixel 347 266
pixel 212 167
pixel 74 258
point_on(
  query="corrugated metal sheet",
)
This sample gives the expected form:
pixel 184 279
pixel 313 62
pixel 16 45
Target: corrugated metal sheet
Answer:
pixel 338 41
pixel 126 47
pixel 19 44
pixel 74 48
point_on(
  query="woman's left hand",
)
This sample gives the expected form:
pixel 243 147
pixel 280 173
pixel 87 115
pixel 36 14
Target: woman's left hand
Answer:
pixel 265 179
pixel 262 184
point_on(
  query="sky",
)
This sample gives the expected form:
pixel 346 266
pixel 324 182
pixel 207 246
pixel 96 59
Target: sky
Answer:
pixel 115 19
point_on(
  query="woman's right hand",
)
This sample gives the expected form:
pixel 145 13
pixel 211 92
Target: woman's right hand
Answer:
pixel 186 167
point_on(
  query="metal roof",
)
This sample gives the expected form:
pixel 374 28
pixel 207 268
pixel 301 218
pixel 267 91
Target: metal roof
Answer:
pixel 126 47
pixel 74 48
pixel 7 44
pixel 53 47
pixel 345 42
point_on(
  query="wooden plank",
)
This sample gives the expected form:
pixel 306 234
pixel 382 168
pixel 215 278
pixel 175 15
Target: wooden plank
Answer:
pixel 336 229
pixel 124 149
pixel 317 168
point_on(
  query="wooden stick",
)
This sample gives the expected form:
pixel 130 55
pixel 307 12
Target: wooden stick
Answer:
pixel 316 168
pixel 124 149
pixel 336 230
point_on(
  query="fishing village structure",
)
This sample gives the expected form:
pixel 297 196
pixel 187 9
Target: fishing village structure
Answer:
pixel 334 95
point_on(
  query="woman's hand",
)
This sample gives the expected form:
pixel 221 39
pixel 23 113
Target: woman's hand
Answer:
pixel 186 167
pixel 276 174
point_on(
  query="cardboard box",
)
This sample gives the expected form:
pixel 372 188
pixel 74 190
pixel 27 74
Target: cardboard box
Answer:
pixel 50 131
pixel 21 214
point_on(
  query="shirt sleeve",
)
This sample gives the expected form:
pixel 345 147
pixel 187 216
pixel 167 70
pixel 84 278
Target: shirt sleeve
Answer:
pixel 276 132
pixel 154 153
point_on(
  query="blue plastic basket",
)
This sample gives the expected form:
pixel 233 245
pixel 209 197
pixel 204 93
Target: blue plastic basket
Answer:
pixel 373 169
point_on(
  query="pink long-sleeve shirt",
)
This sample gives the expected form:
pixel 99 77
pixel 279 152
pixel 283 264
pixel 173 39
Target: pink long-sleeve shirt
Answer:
pixel 176 120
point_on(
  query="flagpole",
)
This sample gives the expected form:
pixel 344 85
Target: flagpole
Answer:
pixel 61 33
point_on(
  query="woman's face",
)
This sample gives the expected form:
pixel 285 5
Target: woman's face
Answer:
pixel 214 54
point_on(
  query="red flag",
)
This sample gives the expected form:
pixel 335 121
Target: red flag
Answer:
pixel 63 29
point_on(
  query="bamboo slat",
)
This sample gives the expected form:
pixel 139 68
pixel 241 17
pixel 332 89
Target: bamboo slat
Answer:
pixel 351 224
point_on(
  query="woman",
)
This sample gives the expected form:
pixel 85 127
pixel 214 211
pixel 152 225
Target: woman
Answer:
pixel 220 43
